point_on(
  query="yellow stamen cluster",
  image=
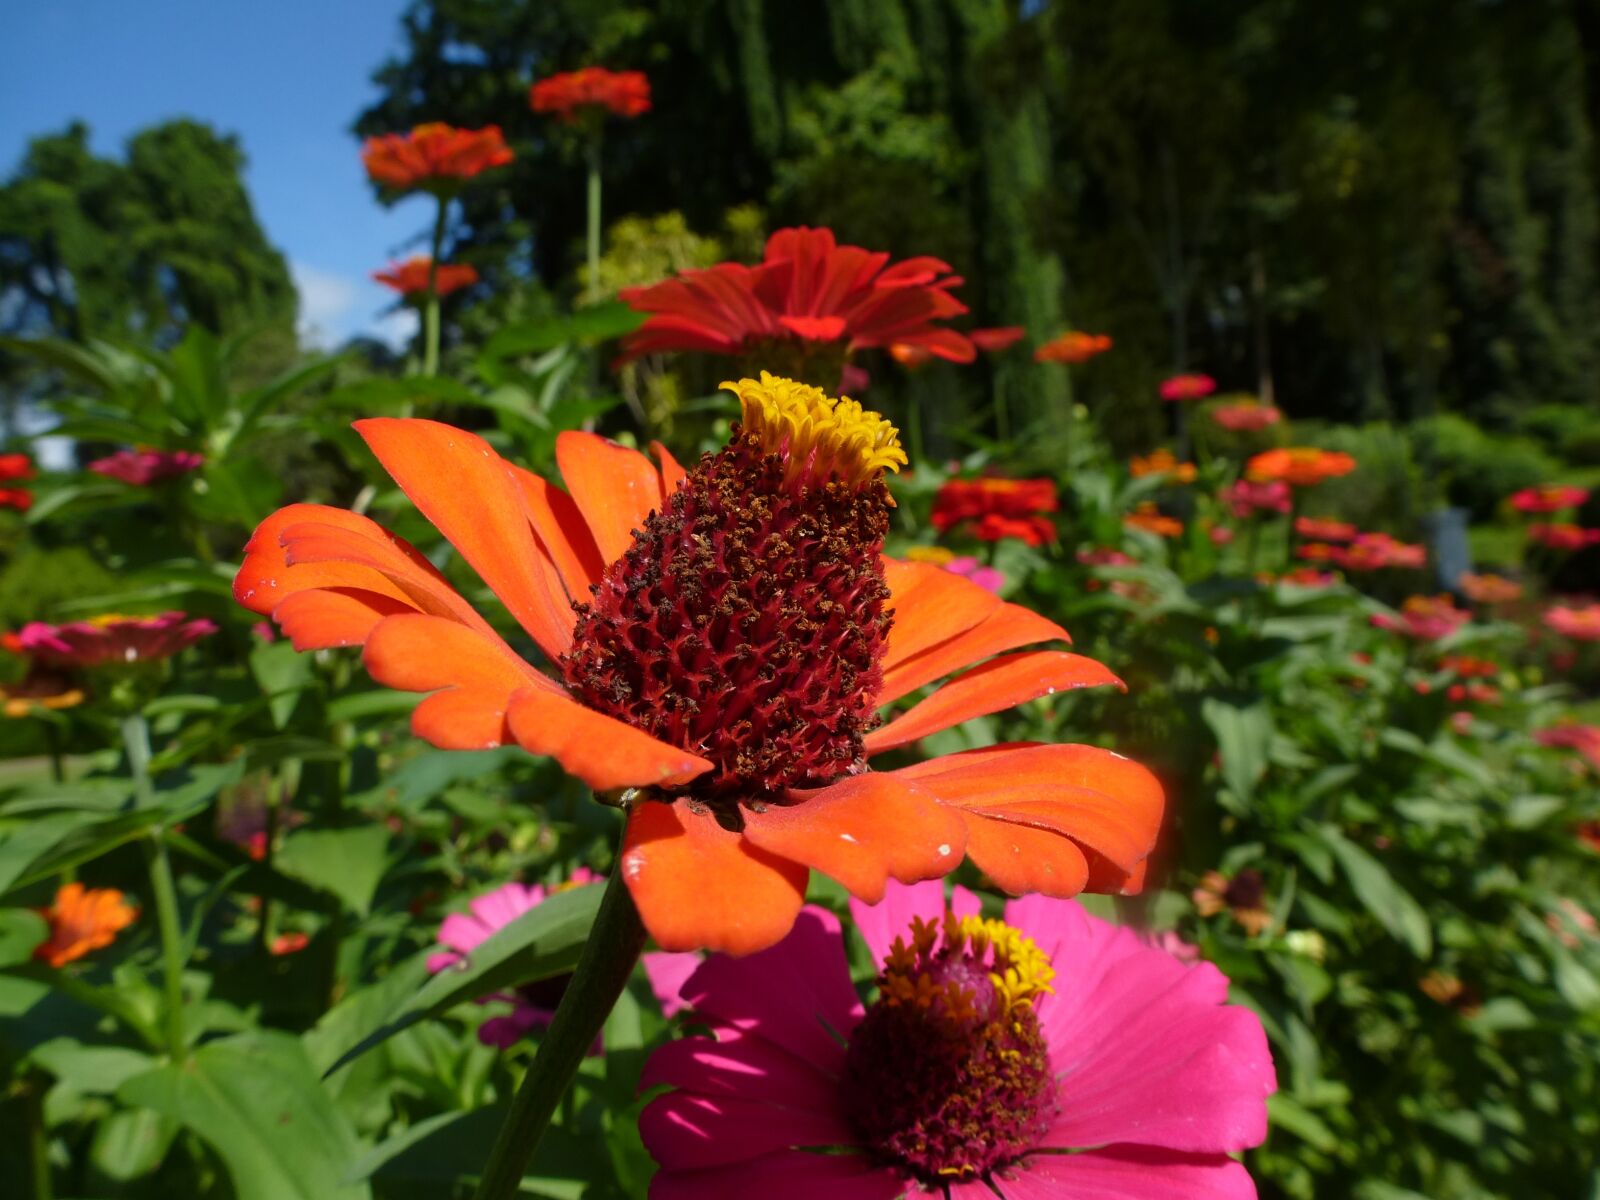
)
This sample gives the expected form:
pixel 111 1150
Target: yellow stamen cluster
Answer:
pixel 818 434
pixel 1017 969
pixel 937 555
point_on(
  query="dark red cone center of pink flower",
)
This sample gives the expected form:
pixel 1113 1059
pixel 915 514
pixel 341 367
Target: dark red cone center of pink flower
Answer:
pixel 746 624
pixel 949 1099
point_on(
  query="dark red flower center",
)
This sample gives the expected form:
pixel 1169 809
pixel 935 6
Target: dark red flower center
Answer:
pixel 948 1076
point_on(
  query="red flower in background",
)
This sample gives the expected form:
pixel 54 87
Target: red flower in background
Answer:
pixel 14 467
pixel 1323 529
pixel 1246 498
pixel 410 278
pixel 1548 498
pixel 1579 624
pixel 141 468
pixel 994 340
pixel 112 640
pixel 1245 417
pixel 594 89
pixel 1563 536
pixel 807 291
pixel 1150 519
pixel 1375 551
pixel 1585 739
pixel 1426 618
pixel 998 508
pixel 434 155
pixel 1489 589
pixel 1187 387
pixel 82 919
pixel 1299 466
pixel 1072 347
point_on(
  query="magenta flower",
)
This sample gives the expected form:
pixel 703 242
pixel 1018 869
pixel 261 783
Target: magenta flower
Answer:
pixel 992 1048
pixel 1580 623
pixel 534 1004
pixel 1426 618
pixel 141 468
pixel 1245 417
pixel 113 639
pixel 1246 498
pixel 1187 387
pixel 1548 498
pixel 969 567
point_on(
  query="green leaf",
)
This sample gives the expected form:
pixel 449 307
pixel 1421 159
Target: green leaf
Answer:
pixel 346 862
pixel 542 942
pixel 1396 911
pixel 100 1070
pixel 1243 734
pixel 357 1014
pixel 256 1101
pixel 596 324
pixel 21 929
pixel 1285 1113
pixel 131 1143
pixel 284 674
pixel 1529 812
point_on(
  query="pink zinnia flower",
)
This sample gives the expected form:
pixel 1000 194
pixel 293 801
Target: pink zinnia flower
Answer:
pixel 113 639
pixel 1563 536
pixel 534 1004
pixel 1187 387
pixel 1375 551
pixel 1247 498
pixel 1324 529
pixel 1579 624
pixel 985 577
pixel 1245 417
pixel 1426 618
pixel 141 468
pixel 1585 739
pixel 1548 498
pixel 992 1048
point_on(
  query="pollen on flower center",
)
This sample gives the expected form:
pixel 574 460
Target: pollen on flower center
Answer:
pixel 816 434
pixel 948 1076
pixel 748 620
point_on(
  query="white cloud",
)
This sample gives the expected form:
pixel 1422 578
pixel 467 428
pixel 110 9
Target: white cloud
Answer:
pixel 397 328
pixel 326 301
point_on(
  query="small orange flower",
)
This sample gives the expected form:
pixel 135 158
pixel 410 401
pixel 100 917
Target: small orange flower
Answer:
pixel 1161 462
pixel 410 278
pixel 1243 897
pixel 592 89
pixel 1299 466
pixel 1489 589
pixel 1072 347
pixel 1149 519
pixel 83 919
pixel 714 673
pixel 435 156
pixel 1446 989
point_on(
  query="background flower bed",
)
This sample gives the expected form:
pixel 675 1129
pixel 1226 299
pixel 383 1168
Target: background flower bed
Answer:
pixel 1396 871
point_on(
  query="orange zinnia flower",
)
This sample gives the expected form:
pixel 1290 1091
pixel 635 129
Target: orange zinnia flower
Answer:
pixel 724 638
pixel 592 89
pixel 1147 518
pixel 410 278
pixel 1299 466
pixel 434 156
pixel 1072 347
pixel 1161 462
pixel 1489 589
pixel 82 919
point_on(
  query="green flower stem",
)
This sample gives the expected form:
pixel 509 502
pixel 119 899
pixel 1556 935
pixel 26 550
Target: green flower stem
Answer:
pixel 136 741
pixel 33 1089
pixel 607 960
pixel 594 215
pixel 430 302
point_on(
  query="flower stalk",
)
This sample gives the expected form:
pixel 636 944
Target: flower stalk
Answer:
pixel 602 972
pixel 136 743
pixel 593 156
pixel 430 299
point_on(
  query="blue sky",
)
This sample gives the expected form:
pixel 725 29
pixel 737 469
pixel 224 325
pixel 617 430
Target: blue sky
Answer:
pixel 287 77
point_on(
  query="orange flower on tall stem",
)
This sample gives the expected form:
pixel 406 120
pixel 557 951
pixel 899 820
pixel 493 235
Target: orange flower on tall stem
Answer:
pixel 591 89
pixel 1489 589
pixel 410 278
pixel 1299 466
pixel 1072 347
pixel 434 156
pixel 82 919
pixel 726 639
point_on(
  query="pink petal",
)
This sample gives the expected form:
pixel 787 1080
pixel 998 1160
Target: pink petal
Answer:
pixel 782 1175
pixel 796 995
pixel 505 1032
pixel 1126 1173
pixel 505 904
pixel 744 1067
pixel 667 974
pixel 442 961
pixel 1147 1048
pixel 891 917
pixel 463 932
pixel 683 1131
pixel 965 902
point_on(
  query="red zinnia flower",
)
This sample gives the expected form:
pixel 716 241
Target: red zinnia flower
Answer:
pixel 725 638
pixel 1427 618
pixel 1299 466
pixel 808 291
pixel 1246 498
pixel 1563 536
pixel 992 341
pixel 1375 551
pixel 1489 589
pixel 141 468
pixel 82 919
pixel 1549 498
pixel 1072 347
pixel 592 89
pixel 434 156
pixel 1585 739
pixel 1323 529
pixel 1245 417
pixel 1579 624
pixel 14 467
pixel 998 508
pixel 410 278
pixel 112 639
pixel 1187 387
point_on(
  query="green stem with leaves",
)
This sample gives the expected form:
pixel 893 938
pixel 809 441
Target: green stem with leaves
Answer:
pixel 136 742
pixel 594 214
pixel 430 299
pixel 607 960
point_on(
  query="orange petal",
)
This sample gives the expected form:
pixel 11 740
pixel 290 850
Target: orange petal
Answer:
pixel 998 684
pixel 862 830
pixel 458 482
pixel 266 578
pixel 603 752
pixel 930 606
pixel 473 674
pixel 672 472
pixel 563 533
pixel 326 617
pixel 614 487
pixel 1021 860
pixel 699 886
pixel 1006 628
pixel 1109 804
